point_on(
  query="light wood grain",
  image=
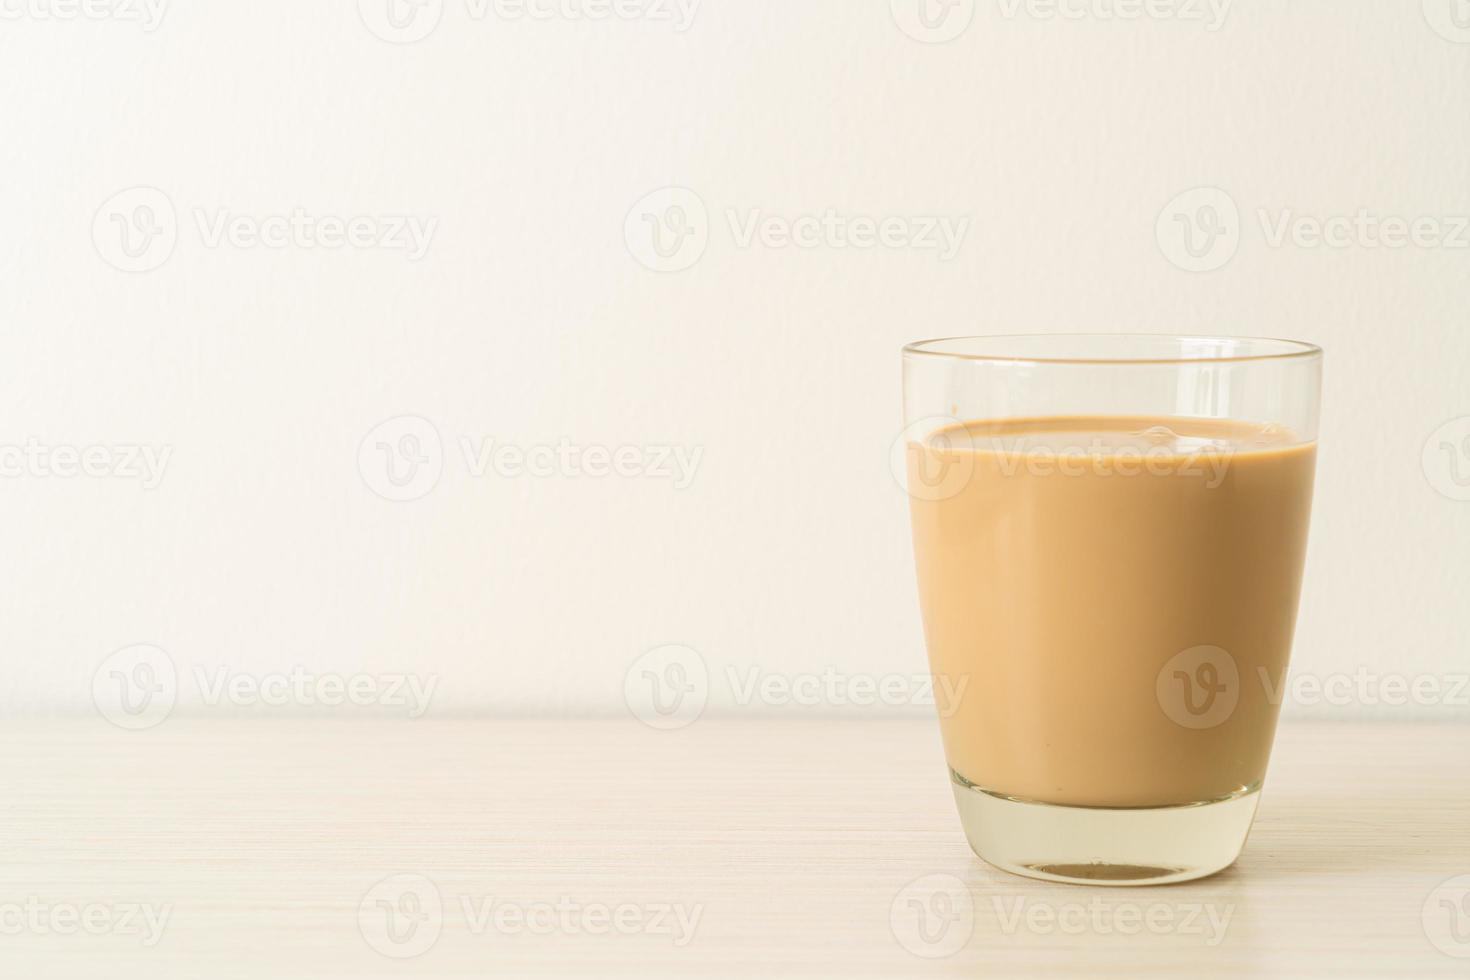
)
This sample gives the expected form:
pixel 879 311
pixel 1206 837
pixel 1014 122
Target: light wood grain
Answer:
pixel 793 839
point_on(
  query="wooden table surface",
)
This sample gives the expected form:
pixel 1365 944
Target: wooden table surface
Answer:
pixel 327 848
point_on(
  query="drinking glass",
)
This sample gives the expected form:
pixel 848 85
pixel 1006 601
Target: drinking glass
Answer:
pixel 1109 534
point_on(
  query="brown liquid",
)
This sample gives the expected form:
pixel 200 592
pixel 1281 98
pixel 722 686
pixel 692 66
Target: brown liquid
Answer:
pixel 1105 593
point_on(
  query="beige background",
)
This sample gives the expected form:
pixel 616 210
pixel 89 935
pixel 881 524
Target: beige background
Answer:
pixel 531 319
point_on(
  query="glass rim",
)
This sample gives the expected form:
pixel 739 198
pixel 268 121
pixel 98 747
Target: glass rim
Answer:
pixel 1281 349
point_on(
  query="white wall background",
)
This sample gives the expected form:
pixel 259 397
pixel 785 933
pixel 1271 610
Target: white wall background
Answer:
pixel 530 320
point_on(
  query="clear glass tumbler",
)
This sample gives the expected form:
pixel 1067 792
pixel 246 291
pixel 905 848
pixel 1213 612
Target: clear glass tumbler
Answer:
pixel 1109 533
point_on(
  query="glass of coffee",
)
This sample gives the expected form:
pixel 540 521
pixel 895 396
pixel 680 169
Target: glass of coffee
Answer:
pixel 1109 533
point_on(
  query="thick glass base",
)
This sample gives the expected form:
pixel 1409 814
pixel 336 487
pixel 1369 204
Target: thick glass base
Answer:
pixel 1104 845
